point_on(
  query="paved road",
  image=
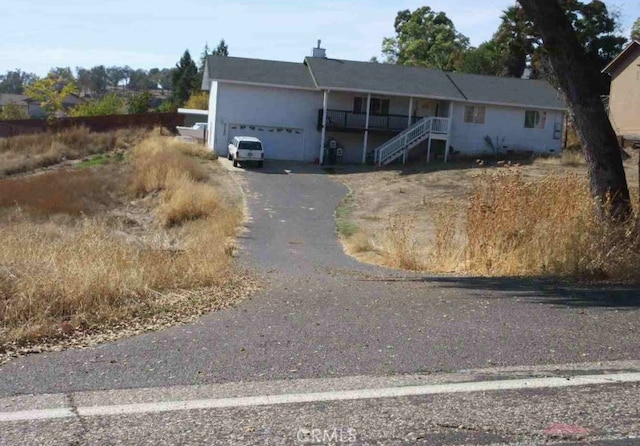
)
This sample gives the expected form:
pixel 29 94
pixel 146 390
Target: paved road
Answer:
pixel 532 407
pixel 322 314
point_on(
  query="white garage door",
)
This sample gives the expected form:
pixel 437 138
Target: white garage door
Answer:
pixel 280 143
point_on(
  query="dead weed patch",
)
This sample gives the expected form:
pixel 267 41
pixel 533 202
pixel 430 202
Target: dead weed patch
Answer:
pixel 62 276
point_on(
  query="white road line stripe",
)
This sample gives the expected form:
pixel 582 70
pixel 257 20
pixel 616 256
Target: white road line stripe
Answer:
pixel 267 400
pixel 28 415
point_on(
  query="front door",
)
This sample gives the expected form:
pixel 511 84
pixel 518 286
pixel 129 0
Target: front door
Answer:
pixel 426 107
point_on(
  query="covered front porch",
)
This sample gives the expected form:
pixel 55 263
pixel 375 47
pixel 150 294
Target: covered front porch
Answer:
pixel 356 124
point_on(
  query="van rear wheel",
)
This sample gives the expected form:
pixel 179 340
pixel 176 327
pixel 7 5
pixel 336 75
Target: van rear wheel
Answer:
pixel 260 163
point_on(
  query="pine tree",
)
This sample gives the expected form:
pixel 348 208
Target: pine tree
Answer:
pixel 222 49
pixel 203 57
pixel 184 79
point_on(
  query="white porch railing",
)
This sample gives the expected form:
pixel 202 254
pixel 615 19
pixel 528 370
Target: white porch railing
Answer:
pixel 400 144
pixel 439 125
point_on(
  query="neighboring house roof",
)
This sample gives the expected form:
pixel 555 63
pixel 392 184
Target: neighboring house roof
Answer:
pixel 620 58
pixel 381 78
pixel 12 98
pixel 508 90
pixel 367 77
pixel 257 71
pixel 73 99
pixel 21 99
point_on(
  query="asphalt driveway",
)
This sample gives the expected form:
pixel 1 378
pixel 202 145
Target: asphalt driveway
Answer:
pixel 321 313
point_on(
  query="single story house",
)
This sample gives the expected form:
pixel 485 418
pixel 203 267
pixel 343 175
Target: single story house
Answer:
pixel 28 106
pixel 32 108
pixel 327 110
pixel 624 96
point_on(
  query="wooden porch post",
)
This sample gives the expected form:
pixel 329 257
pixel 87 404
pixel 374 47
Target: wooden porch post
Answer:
pixel 404 155
pixel 446 141
pixel 325 100
pixel 366 130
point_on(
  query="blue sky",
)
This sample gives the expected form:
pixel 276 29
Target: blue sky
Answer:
pixel 38 34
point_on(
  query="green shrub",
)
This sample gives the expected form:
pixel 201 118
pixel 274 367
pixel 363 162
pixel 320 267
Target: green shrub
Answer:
pixel 12 111
pixel 139 102
pixel 110 104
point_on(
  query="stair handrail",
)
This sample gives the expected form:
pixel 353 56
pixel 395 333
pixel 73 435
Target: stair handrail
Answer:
pixel 401 140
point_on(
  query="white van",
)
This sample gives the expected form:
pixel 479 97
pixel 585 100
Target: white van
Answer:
pixel 246 148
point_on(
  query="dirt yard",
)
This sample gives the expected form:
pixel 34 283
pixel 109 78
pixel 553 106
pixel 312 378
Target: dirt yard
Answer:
pixel 412 198
pixel 115 243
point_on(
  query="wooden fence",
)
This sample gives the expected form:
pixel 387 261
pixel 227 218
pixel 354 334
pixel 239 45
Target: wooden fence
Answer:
pixel 168 121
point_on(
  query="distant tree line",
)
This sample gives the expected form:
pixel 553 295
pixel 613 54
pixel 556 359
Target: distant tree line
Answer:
pixel 112 90
pixel 95 81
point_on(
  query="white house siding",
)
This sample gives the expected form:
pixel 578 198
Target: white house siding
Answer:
pixel 508 123
pixel 213 109
pixel 266 107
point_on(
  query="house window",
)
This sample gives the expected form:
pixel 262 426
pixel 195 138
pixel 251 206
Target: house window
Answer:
pixel 557 130
pixel 474 114
pixel 359 104
pixel 534 119
pixel 378 106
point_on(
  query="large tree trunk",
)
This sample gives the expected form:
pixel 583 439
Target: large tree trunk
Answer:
pixel 578 81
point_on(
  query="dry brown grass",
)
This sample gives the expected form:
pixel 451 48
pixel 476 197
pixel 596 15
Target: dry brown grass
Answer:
pixel 171 165
pixel 158 162
pixel 194 150
pixel 400 244
pixel 547 227
pixel 60 192
pixel 92 270
pixel 505 221
pixel 359 243
pixel 517 227
pixel 570 157
pixel 186 200
pixel 89 275
pixel 447 251
pixel 19 154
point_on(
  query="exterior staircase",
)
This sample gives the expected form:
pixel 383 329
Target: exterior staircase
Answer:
pixel 399 145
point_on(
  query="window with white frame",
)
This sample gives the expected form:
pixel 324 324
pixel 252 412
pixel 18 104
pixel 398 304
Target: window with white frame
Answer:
pixel 378 106
pixel 534 119
pixel 474 114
